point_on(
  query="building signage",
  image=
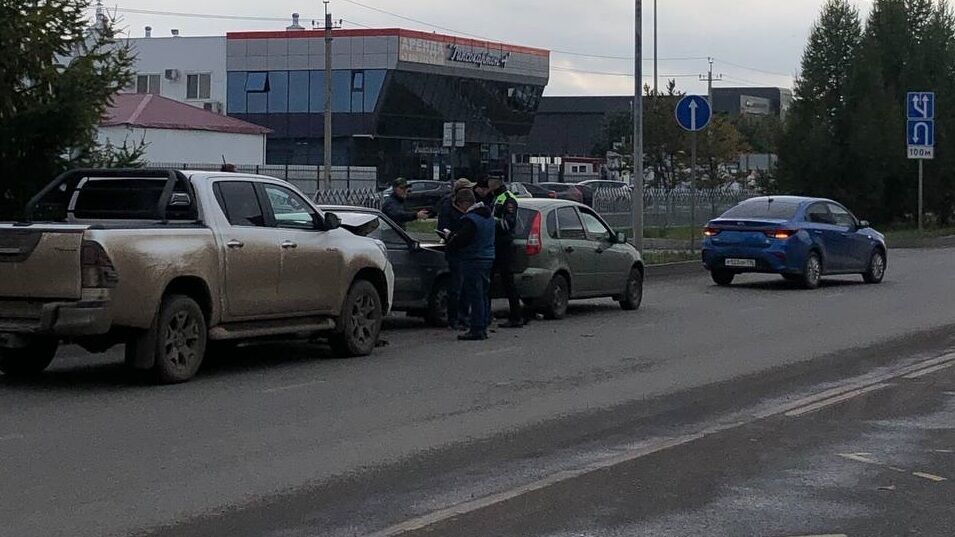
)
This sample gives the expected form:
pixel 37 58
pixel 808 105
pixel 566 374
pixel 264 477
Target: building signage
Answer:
pixel 421 51
pixel 425 148
pixel 479 58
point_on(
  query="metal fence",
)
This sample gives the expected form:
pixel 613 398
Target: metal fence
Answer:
pixel 362 197
pixel 306 178
pixel 667 208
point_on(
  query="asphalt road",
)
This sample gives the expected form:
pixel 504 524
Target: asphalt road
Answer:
pixel 281 440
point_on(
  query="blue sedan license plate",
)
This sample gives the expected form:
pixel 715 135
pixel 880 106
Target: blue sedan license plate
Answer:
pixel 740 263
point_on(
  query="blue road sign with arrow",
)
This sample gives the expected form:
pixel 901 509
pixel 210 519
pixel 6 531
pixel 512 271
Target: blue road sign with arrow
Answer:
pixel 921 105
pixel 920 130
pixel 693 113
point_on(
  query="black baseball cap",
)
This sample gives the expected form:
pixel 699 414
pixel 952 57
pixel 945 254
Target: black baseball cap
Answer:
pixel 482 182
pixel 400 182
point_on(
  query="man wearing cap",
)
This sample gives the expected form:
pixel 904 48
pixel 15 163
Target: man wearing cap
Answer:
pixel 505 215
pixel 449 221
pixel 474 244
pixel 394 205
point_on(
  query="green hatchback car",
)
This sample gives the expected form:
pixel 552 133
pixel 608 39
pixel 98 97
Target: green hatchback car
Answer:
pixel 565 251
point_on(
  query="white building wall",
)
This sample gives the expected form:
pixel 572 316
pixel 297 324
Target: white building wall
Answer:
pixel 188 55
pixel 190 146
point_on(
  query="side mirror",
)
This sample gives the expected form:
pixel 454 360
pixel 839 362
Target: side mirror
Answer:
pixel 416 246
pixel 621 238
pixel 332 221
pixel 863 224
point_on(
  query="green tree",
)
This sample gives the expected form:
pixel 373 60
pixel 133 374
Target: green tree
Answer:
pixel 813 149
pixel 58 75
pixel 720 144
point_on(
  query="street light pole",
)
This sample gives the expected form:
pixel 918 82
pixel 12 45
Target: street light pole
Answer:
pixel 327 175
pixel 656 53
pixel 637 196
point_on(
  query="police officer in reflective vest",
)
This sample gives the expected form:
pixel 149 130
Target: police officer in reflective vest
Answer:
pixel 505 216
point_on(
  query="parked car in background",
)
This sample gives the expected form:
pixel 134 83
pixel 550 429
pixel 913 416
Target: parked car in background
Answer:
pixel 802 239
pixel 173 264
pixel 590 187
pixel 519 190
pixel 421 271
pixel 566 191
pixel 538 191
pixel 565 251
pixel 423 194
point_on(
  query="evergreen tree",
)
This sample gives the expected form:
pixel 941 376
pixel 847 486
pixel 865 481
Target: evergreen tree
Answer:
pixel 57 78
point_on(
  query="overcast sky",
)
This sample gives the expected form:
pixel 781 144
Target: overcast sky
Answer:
pixel 753 42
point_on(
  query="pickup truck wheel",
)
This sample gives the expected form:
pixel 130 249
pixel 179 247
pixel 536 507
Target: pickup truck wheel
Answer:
pixel 28 361
pixel 360 323
pixel 180 340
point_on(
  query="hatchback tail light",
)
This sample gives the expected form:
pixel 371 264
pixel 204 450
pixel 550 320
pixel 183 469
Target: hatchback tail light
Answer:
pixel 97 268
pixel 552 195
pixel 781 234
pixel 534 237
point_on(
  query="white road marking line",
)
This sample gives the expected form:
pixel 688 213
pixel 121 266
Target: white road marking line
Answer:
pixel 279 389
pixel 826 398
pixel 860 457
pixel 930 477
pixel 9 437
pixel 929 371
pixel 835 400
pixel 943 451
pixel 824 535
pixel 496 351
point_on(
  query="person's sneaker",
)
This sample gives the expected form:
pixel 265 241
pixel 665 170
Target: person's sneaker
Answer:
pixel 472 337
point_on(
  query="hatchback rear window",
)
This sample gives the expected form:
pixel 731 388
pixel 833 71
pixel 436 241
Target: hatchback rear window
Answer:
pixel 525 217
pixel 764 208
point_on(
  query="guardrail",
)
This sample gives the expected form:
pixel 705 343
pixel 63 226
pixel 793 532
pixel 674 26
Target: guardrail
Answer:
pixel 667 208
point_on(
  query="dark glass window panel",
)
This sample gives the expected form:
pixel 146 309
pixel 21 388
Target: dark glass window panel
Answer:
pixel 317 92
pixel 257 82
pixel 278 92
pixel 374 80
pixel 341 91
pixel 298 91
pixel 257 103
pixel 240 203
pixel 236 92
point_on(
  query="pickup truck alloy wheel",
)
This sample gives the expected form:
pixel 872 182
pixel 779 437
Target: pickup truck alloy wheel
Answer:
pixel 633 296
pixel 438 304
pixel 181 340
pixel 29 360
pixel 361 321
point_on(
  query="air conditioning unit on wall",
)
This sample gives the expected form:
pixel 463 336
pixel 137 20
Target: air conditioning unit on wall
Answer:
pixel 172 74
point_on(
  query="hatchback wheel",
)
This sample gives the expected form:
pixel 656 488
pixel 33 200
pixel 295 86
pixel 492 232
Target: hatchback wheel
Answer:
pixel 723 278
pixel 877 265
pixel 360 323
pixel 812 272
pixel 555 300
pixel 633 295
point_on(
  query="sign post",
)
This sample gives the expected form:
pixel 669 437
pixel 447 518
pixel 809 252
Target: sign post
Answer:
pixel 920 136
pixel 453 137
pixel 693 114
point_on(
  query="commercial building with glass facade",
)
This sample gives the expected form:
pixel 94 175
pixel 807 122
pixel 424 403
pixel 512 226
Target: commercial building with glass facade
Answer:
pixel 393 91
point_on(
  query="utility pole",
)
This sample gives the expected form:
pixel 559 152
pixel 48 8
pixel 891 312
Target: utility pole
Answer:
pixel 328 98
pixel 637 195
pixel 709 79
pixel 656 52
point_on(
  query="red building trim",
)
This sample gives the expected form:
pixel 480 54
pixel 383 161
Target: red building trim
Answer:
pixel 391 32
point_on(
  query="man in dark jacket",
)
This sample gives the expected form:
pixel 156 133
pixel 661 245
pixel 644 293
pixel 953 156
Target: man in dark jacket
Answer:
pixel 394 205
pixel 505 215
pixel 449 220
pixel 474 244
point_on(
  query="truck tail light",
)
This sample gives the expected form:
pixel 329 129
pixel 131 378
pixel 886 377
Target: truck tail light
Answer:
pixel 534 237
pixel 97 268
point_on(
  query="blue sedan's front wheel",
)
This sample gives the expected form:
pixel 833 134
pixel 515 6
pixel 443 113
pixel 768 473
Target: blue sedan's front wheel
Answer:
pixel 876 270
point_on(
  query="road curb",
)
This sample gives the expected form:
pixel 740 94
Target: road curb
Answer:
pixel 682 268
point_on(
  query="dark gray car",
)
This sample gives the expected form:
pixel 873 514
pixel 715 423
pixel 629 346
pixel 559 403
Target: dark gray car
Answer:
pixel 421 271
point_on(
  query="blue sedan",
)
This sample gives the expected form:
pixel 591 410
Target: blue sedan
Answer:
pixel 800 238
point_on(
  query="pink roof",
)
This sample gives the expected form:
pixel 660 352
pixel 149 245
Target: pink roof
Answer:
pixel 155 112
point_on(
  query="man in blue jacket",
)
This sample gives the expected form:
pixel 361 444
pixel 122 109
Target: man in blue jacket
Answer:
pixel 449 220
pixel 474 245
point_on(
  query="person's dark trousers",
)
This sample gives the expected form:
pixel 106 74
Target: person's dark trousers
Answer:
pixel 502 267
pixel 458 308
pixel 477 284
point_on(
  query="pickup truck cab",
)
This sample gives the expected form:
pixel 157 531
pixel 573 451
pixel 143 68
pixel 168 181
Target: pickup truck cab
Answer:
pixel 174 264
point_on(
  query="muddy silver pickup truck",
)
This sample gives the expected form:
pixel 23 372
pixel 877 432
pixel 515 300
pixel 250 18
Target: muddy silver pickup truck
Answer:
pixel 174 264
